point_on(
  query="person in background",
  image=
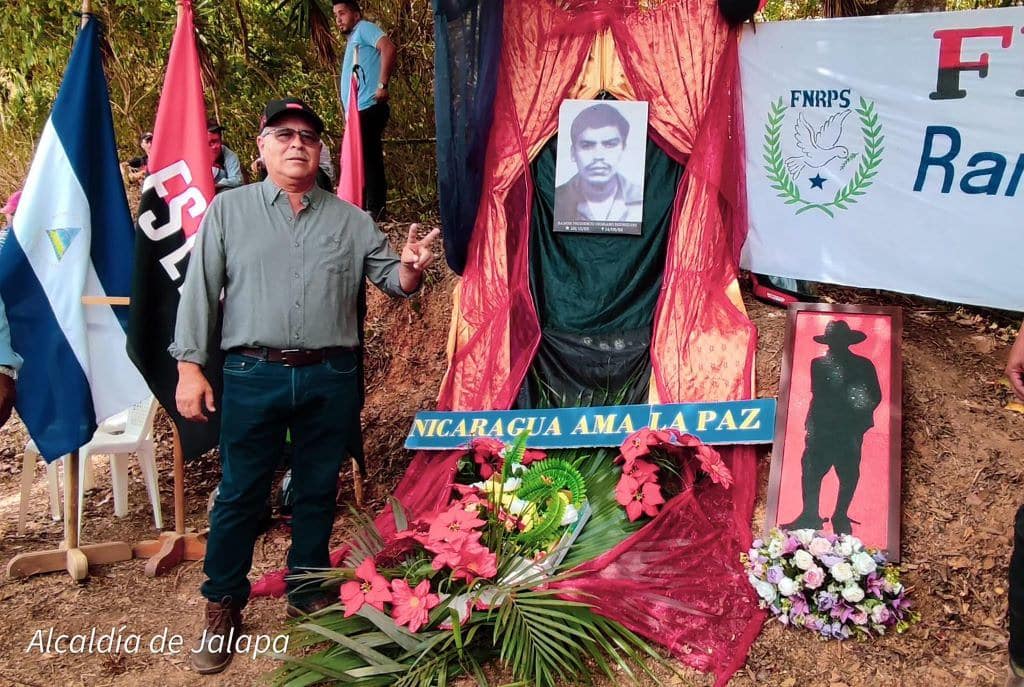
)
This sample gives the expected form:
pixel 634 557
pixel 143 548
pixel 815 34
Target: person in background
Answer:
pixel 227 170
pixel 138 167
pixel 376 62
pixel 1015 678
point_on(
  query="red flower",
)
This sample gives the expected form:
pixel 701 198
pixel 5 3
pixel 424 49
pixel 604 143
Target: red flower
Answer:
pixel 487 454
pixel 532 456
pixel 449 555
pixel 453 525
pixel 639 444
pixel 711 462
pixel 639 499
pixel 412 606
pixel 373 589
pixel 477 561
pixel 642 471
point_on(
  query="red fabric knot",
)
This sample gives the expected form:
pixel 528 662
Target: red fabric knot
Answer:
pixel 590 16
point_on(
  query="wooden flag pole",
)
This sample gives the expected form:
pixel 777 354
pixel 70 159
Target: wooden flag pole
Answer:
pixel 180 545
pixel 171 548
pixel 70 556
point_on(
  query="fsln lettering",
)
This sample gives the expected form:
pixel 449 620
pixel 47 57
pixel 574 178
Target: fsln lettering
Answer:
pixel 952 62
pixel 190 200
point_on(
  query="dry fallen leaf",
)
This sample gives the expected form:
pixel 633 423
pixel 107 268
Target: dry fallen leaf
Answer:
pixel 1015 406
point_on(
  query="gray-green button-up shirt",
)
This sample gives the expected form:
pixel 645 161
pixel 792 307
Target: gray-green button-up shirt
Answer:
pixel 288 281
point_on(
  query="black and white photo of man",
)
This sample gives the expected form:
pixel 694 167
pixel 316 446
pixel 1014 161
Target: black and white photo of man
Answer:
pixel 606 193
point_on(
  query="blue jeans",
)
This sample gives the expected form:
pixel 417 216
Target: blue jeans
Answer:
pixel 319 404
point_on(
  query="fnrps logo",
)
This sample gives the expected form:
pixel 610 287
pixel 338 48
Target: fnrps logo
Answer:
pixel 810 156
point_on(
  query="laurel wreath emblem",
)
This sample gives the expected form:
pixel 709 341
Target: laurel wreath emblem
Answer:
pixel 782 182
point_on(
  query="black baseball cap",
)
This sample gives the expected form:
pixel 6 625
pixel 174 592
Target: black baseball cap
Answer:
pixel 213 126
pixel 146 136
pixel 293 106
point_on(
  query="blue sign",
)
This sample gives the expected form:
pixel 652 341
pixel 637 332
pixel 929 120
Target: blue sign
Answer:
pixel 727 422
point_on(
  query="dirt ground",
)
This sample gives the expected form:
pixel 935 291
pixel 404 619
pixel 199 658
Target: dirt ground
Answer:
pixel 962 477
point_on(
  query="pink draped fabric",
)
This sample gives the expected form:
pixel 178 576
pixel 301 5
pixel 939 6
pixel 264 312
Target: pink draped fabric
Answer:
pixel 678 581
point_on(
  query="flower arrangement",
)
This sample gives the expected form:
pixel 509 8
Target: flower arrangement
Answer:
pixel 471 582
pixel 646 453
pixel 831 585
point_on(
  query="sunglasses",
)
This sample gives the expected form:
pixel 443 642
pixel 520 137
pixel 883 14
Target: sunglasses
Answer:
pixel 284 134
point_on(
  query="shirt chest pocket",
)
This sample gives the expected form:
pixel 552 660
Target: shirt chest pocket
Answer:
pixel 334 261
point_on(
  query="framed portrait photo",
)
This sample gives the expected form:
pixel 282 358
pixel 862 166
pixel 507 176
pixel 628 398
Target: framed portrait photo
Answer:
pixel 599 166
pixel 836 457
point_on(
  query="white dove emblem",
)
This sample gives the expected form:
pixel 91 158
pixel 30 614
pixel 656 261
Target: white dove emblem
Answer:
pixel 818 147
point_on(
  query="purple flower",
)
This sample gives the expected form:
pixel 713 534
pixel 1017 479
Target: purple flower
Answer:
pixel 757 543
pixel 842 611
pixel 874 585
pixel 826 600
pixel 791 545
pixel 800 606
pixel 830 560
pixel 775 574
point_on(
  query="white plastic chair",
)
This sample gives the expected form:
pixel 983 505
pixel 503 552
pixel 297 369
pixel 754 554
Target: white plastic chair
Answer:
pixel 128 432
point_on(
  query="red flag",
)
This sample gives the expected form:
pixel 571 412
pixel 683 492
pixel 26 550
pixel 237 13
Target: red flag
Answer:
pixel 350 185
pixel 175 196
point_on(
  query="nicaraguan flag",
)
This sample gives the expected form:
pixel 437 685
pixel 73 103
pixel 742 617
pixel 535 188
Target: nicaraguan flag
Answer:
pixel 72 237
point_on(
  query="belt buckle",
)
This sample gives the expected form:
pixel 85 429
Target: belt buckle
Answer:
pixel 286 356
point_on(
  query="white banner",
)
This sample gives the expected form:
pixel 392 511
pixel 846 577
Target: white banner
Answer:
pixel 888 152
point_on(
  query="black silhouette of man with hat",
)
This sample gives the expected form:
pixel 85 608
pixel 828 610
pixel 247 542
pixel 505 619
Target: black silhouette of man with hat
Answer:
pixel 844 395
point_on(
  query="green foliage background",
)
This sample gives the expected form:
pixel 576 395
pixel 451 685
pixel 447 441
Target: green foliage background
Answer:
pixel 258 50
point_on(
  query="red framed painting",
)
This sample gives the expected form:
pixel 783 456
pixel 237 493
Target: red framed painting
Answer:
pixel 836 457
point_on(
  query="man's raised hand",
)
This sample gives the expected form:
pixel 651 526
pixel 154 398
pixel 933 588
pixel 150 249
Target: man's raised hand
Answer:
pixel 417 254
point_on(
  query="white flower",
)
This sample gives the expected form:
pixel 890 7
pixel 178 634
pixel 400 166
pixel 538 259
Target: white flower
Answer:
pixel 802 559
pixel 853 593
pixel 787 586
pixel 570 516
pixel 517 506
pixel 765 590
pixel 511 484
pixel 844 548
pixel 863 563
pixel 775 548
pixel 842 572
pixel 518 468
pixel 803 536
pixel 819 546
pixel 784 619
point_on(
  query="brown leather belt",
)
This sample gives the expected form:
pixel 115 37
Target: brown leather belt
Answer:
pixel 293 357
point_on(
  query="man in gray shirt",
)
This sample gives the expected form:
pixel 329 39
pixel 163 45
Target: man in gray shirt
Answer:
pixel 291 259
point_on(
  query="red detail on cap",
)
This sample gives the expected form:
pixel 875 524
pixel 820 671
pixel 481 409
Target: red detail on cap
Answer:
pixel 293 106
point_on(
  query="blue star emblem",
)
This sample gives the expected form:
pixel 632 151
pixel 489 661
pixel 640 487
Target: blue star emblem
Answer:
pixel 817 181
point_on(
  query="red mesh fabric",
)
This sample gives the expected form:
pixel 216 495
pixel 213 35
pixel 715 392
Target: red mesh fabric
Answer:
pixel 678 581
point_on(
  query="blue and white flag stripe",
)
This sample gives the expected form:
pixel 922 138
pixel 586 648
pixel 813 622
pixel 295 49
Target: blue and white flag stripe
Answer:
pixel 72 237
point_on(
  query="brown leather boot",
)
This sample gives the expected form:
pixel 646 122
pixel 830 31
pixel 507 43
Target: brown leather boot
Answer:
pixel 212 651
